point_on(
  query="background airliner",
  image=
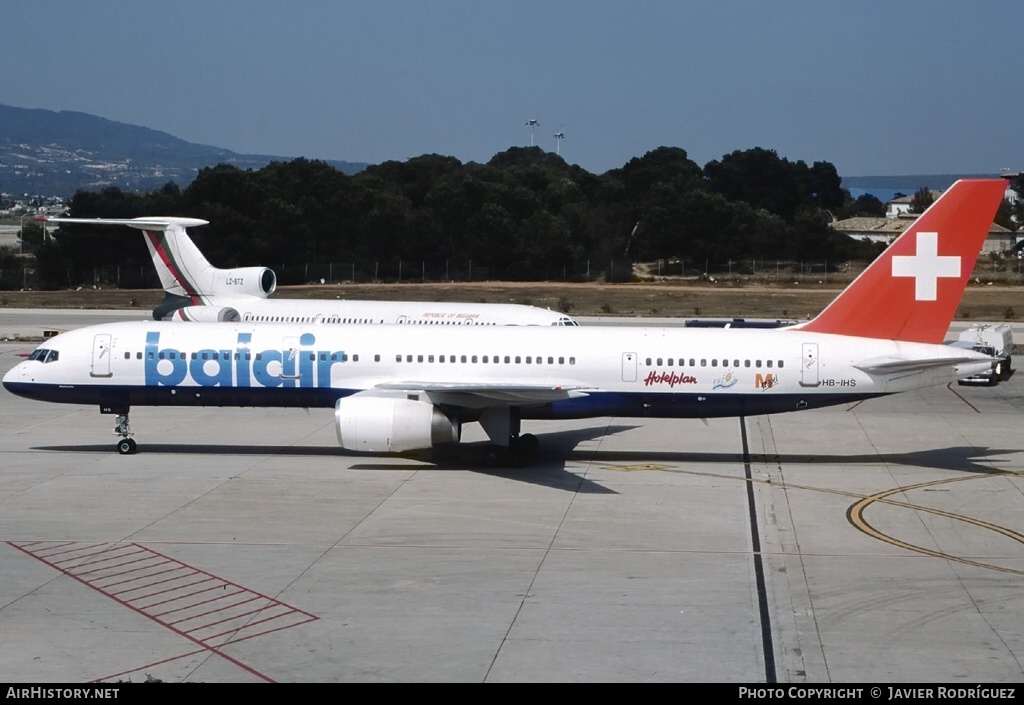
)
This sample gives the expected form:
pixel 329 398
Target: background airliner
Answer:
pixel 198 291
pixel 397 389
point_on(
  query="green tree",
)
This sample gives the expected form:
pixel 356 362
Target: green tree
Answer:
pixel 765 180
pixel 923 198
pixel 865 205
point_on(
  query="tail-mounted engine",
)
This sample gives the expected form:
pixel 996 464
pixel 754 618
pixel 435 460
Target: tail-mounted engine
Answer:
pixel 206 314
pixel 244 281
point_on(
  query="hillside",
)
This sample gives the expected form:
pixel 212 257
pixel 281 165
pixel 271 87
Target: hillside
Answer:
pixel 56 153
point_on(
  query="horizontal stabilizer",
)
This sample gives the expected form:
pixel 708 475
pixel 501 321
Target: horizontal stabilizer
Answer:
pixel 150 223
pixel 893 365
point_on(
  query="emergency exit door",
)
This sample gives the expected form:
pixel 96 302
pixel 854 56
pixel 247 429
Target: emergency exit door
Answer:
pixel 629 367
pixel 809 365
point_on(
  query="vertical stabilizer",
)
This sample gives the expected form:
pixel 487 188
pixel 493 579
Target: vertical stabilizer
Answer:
pixel 180 265
pixel 911 292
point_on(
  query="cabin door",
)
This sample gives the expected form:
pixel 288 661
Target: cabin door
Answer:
pixel 101 356
pixel 291 352
pixel 809 365
pixel 629 367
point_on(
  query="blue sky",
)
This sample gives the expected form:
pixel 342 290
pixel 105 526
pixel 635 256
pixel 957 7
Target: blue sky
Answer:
pixel 898 87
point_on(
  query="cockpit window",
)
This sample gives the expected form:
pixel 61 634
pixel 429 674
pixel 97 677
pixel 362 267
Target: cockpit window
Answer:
pixel 43 355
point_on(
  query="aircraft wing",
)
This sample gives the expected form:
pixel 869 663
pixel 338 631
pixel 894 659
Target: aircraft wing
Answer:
pixel 483 395
pixel 893 365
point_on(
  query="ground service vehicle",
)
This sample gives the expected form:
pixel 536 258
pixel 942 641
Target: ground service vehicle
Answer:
pixel 994 339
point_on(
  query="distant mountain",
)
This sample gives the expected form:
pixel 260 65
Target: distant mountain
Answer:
pixel 908 184
pixel 55 153
pixel 885 188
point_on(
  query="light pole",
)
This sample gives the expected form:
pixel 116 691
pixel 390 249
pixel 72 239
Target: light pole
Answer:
pixel 559 136
pixel 532 124
pixel 21 236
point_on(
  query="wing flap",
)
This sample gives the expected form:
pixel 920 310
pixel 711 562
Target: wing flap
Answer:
pixel 483 395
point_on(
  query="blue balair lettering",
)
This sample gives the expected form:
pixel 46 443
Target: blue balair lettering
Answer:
pixel 259 368
pixel 168 367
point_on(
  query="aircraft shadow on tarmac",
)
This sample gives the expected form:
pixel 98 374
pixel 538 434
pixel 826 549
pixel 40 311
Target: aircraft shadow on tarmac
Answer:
pixel 970 459
pixel 546 469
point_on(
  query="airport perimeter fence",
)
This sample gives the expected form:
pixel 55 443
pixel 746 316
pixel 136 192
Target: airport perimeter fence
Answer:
pixel 998 270
pixel 29 278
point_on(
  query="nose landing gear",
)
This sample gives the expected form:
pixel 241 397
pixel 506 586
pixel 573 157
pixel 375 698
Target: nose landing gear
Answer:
pixel 127 445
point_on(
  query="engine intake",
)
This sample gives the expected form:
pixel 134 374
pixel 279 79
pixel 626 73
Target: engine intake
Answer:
pixel 392 424
pixel 206 314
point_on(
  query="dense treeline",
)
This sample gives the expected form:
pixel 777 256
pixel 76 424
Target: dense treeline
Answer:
pixel 526 214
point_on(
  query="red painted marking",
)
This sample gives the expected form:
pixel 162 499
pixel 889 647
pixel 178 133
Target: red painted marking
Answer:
pixel 94 567
pixel 210 625
pixel 148 585
pixel 104 568
pixel 142 577
pixel 950 388
pixel 175 589
pixel 189 606
pixel 69 543
pixel 111 555
pixel 222 608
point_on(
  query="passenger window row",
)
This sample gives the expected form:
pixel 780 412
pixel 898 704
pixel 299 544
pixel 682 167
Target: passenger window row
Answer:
pixel 488 359
pixel 345 357
pixel 713 362
pixel 228 355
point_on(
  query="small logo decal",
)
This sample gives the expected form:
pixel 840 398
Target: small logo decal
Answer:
pixel 725 381
pixel 669 378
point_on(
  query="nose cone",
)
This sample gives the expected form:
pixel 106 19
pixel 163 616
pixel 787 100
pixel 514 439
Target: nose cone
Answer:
pixel 13 374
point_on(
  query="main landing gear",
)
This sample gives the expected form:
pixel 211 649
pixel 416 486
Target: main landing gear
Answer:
pixel 518 453
pixel 509 448
pixel 127 445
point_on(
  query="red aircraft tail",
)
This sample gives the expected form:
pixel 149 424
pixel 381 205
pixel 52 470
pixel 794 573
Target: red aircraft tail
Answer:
pixel 912 290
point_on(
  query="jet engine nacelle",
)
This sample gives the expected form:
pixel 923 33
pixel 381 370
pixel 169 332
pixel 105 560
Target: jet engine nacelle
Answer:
pixel 244 281
pixel 392 424
pixel 205 314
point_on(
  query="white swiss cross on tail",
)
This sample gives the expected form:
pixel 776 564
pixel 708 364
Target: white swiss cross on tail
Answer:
pixel 926 266
pixel 911 292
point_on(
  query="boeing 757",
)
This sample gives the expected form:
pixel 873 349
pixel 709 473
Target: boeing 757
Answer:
pixel 198 291
pixel 395 389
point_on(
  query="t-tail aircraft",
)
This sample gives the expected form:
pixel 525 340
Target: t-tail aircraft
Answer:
pixel 395 389
pixel 199 292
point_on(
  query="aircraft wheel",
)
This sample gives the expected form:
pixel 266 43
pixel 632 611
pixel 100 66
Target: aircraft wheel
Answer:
pixel 521 451
pixel 529 444
pixel 126 446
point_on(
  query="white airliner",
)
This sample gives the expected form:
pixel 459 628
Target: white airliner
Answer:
pixel 198 291
pixel 396 389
